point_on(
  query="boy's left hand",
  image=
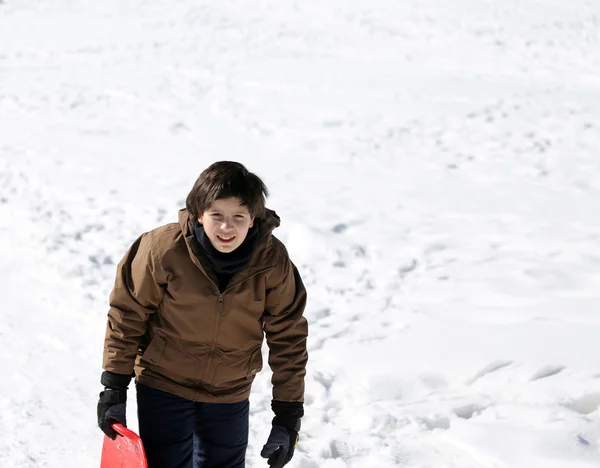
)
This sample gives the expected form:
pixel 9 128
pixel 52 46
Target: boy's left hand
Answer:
pixel 280 446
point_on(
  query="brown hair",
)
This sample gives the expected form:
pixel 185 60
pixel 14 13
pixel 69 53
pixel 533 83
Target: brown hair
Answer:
pixel 226 179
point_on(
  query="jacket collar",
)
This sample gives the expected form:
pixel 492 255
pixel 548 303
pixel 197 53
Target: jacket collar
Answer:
pixel 266 226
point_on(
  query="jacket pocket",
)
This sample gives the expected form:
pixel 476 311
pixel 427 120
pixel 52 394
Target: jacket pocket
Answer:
pixel 234 372
pixel 154 350
pixel 168 360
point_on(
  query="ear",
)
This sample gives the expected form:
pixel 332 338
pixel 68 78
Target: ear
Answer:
pixel 200 219
pixel 252 222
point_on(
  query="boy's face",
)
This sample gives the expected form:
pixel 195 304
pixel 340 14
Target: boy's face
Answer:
pixel 226 223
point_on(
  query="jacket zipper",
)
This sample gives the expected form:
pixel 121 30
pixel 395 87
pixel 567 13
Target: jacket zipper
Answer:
pixel 219 306
pixel 213 346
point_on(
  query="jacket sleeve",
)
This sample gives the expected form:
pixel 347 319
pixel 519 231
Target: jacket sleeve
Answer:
pixel 137 293
pixel 286 331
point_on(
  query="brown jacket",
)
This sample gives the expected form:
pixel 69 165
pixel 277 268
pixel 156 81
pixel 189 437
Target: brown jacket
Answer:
pixel 169 322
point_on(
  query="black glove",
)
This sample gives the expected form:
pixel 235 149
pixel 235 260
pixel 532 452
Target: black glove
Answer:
pixel 280 446
pixel 111 405
pixel 283 439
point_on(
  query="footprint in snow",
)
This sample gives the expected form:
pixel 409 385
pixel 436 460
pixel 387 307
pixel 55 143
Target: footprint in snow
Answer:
pixel 432 423
pixel 546 371
pixel 491 367
pixel 585 404
pixel 339 228
pixel 469 410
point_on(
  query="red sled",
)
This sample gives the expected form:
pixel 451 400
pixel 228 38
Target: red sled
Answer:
pixel 126 451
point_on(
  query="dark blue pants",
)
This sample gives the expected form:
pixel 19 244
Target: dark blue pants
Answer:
pixel 179 433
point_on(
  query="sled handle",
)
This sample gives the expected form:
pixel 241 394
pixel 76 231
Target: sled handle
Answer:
pixel 126 451
pixel 122 430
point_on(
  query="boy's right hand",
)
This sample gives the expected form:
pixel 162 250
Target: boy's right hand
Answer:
pixel 111 409
pixel 112 402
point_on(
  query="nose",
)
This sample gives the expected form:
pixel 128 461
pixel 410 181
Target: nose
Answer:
pixel 226 224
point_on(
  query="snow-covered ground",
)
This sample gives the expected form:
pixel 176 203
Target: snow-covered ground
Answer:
pixel 437 171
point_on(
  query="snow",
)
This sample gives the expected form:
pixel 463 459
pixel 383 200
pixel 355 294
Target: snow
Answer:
pixel 436 168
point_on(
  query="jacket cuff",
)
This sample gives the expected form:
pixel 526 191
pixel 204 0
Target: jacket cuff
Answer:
pixel 287 414
pixel 115 381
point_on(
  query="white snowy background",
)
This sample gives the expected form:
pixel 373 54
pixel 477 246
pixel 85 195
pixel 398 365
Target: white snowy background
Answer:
pixel 436 166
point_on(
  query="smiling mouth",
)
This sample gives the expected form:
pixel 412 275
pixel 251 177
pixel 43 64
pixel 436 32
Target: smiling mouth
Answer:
pixel 226 240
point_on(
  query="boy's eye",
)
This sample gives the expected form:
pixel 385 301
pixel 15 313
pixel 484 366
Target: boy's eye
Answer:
pixel 216 214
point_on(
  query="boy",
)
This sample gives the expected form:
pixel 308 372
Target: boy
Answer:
pixel 190 306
